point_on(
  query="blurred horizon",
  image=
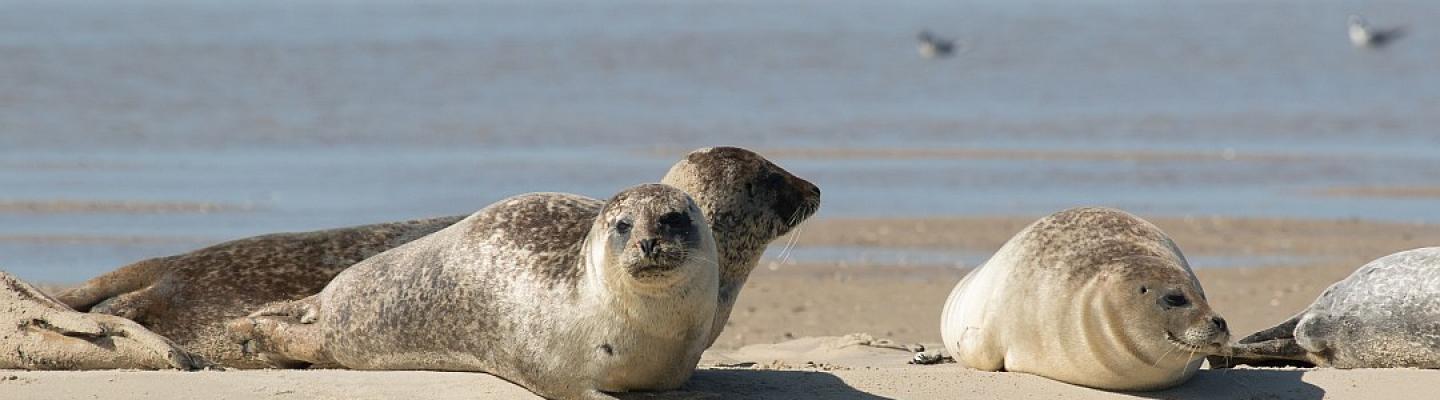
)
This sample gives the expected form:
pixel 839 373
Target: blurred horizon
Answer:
pixel 156 127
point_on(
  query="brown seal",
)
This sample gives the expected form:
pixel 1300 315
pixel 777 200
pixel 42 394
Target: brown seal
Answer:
pixel 188 297
pixel 622 301
pixel 38 332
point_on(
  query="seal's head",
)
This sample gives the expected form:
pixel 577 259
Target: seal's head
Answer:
pixel 738 188
pixel 1159 300
pixel 654 234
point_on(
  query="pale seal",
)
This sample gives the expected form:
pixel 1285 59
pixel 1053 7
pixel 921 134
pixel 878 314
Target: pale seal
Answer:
pixel 189 297
pixel 1090 296
pixel 38 332
pixel 1384 315
pixel 621 303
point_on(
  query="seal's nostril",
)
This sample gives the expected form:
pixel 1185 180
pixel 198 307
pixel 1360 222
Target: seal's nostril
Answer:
pixel 1219 323
pixel 647 246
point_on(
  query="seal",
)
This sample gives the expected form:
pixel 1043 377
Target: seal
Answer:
pixel 1384 315
pixel 189 297
pixel 569 311
pixel 1089 296
pixel 39 332
pixel 749 202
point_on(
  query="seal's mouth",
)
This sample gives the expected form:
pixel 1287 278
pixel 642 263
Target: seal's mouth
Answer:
pixel 652 270
pixel 1187 345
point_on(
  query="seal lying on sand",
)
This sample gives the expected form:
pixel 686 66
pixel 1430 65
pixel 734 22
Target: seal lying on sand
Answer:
pixel 622 303
pixel 748 200
pixel 37 332
pixel 1089 296
pixel 189 297
pixel 1385 315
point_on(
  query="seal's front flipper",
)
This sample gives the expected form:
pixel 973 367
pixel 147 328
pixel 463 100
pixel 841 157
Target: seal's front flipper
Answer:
pixel 114 284
pixel 133 305
pixel 1269 353
pixel 283 334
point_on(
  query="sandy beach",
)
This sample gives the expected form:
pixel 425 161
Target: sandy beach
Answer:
pixel 847 331
pixel 1276 154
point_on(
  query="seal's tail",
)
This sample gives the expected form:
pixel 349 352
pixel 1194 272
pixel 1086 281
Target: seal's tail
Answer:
pixel 113 284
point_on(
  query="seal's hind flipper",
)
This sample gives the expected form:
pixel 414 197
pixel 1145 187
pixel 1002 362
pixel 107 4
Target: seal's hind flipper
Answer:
pixel 283 334
pixel 114 284
pixel 1270 353
pixel 1274 347
pixel 1286 330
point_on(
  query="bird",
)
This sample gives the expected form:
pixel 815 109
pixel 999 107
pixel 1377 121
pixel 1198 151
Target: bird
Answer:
pixel 1363 36
pixel 932 46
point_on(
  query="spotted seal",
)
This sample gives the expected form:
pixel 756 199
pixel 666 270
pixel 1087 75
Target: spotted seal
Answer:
pixel 1089 296
pixel 1384 315
pixel 621 303
pixel 188 297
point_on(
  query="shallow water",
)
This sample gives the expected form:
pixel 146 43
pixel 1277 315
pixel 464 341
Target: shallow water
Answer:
pixel 311 115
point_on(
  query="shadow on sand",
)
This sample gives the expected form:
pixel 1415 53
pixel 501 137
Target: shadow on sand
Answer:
pixel 759 384
pixel 1242 384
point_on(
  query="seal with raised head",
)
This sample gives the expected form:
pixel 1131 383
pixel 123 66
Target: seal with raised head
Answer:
pixel 38 332
pixel 1384 315
pixel 748 200
pixel 1089 296
pixel 188 298
pixel 623 303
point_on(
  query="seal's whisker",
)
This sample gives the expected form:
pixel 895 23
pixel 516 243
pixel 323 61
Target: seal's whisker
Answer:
pixel 790 246
pixel 1162 357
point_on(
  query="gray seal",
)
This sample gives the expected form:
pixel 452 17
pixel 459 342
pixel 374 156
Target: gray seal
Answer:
pixel 1089 296
pixel 189 297
pixel 621 303
pixel 38 332
pixel 1384 315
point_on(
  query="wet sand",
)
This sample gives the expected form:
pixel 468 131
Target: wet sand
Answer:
pixel 785 338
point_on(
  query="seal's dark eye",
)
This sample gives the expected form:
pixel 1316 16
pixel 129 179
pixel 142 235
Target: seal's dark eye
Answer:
pixel 675 220
pixel 773 179
pixel 1176 300
pixel 622 227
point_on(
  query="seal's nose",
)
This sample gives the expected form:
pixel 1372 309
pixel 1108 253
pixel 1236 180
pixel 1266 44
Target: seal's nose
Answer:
pixel 1219 324
pixel 647 246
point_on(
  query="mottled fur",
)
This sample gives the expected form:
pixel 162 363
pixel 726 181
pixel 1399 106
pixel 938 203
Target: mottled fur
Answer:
pixel 750 202
pixel 189 297
pixel 1385 315
pixel 1090 296
pixel 38 332
pixel 539 289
